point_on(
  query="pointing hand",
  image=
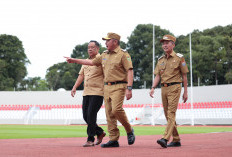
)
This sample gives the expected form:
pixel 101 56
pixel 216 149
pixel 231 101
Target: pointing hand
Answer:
pixel 69 60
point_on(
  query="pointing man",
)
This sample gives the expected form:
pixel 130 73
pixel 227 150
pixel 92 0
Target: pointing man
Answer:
pixel 118 78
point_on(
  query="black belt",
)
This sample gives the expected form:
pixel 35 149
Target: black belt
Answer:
pixel 169 84
pixel 112 83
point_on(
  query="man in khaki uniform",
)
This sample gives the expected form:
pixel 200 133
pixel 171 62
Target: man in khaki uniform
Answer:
pixel 92 95
pixel 118 78
pixel 172 70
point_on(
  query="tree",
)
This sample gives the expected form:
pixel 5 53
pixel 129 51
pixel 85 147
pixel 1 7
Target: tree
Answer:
pixel 64 75
pixel 68 80
pixel 53 78
pixel 42 85
pixel 13 62
pixel 227 43
pixel 228 77
pixel 80 51
pixel 211 54
pixel 33 84
pixel 140 47
pixel 223 35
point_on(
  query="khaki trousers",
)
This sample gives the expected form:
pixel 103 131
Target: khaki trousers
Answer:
pixel 170 99
pixel 113 98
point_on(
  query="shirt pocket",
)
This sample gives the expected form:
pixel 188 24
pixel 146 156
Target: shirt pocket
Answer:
pixel 86 70
pixel 162 67
pixel 115 65
pixel 175 65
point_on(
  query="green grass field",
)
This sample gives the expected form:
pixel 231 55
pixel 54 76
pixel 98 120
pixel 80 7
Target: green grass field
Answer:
pixel 63 131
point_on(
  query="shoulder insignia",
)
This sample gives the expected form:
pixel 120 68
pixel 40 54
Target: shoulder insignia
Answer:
pixel 105 51
pixel 179 55
pixel 124 50
pixel 161 57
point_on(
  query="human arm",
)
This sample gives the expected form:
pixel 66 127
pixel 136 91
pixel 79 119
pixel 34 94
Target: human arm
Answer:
pixel 129 83
pixel 155 83
pixel 77 84
pixel 79 61
pixel 185 82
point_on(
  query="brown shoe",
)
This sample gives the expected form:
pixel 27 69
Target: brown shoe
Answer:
pixel 88 144
pixel 100 137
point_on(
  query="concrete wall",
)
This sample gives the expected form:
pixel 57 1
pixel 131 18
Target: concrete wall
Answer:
pixel 145 115
pixel 140 96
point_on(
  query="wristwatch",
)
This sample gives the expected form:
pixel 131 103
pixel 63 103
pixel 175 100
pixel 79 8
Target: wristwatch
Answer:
pixel 129 88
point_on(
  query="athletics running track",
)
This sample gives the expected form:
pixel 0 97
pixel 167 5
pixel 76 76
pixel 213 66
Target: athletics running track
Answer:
pixel 193 145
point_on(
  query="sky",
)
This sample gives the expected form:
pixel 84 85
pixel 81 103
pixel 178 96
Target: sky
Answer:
pixel 50 29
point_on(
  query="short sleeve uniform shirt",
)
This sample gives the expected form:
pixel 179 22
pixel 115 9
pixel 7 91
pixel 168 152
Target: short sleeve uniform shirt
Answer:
pixel 114 64
pixel 93 79
pixel 171 69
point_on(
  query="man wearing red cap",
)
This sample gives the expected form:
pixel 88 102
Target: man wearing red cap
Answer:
pixel 172 70
pixel 118 79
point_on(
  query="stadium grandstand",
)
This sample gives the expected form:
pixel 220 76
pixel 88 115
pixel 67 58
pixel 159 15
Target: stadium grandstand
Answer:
pixel 211 105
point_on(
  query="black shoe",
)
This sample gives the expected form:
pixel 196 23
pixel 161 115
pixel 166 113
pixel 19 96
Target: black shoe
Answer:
pixel 162 142
pixel 174 144
pixel 110 144
pixel 131 137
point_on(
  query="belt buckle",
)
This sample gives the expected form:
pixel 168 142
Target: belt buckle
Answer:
pixel 165 84
pixel 109 83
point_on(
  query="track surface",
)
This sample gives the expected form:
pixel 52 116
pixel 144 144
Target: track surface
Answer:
pixel 205 145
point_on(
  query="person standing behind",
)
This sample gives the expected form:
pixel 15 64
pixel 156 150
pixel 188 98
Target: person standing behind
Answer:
pixel 92 95
pixel 172 70
pixel 118 78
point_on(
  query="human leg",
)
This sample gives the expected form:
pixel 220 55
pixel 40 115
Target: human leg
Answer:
pixel 119 113
pixel 111 121
pixel 163 142
pixel 94 106
pixel 164 92
pixel 173 99
pixel 112 125
pixel 118 95
pixel 85 106
pixel 95 103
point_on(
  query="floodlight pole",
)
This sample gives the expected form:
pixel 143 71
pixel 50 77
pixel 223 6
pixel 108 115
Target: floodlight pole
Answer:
pixel 191 79
pixel 153 120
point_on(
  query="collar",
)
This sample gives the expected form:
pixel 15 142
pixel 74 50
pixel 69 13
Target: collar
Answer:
pixel 172 54
pixel 117 49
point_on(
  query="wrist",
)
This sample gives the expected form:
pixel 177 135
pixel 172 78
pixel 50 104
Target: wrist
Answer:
pixel 129 88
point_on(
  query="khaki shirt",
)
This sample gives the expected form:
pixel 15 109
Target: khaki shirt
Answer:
pixel 93 79
pixel 114 64
pixel 171 69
